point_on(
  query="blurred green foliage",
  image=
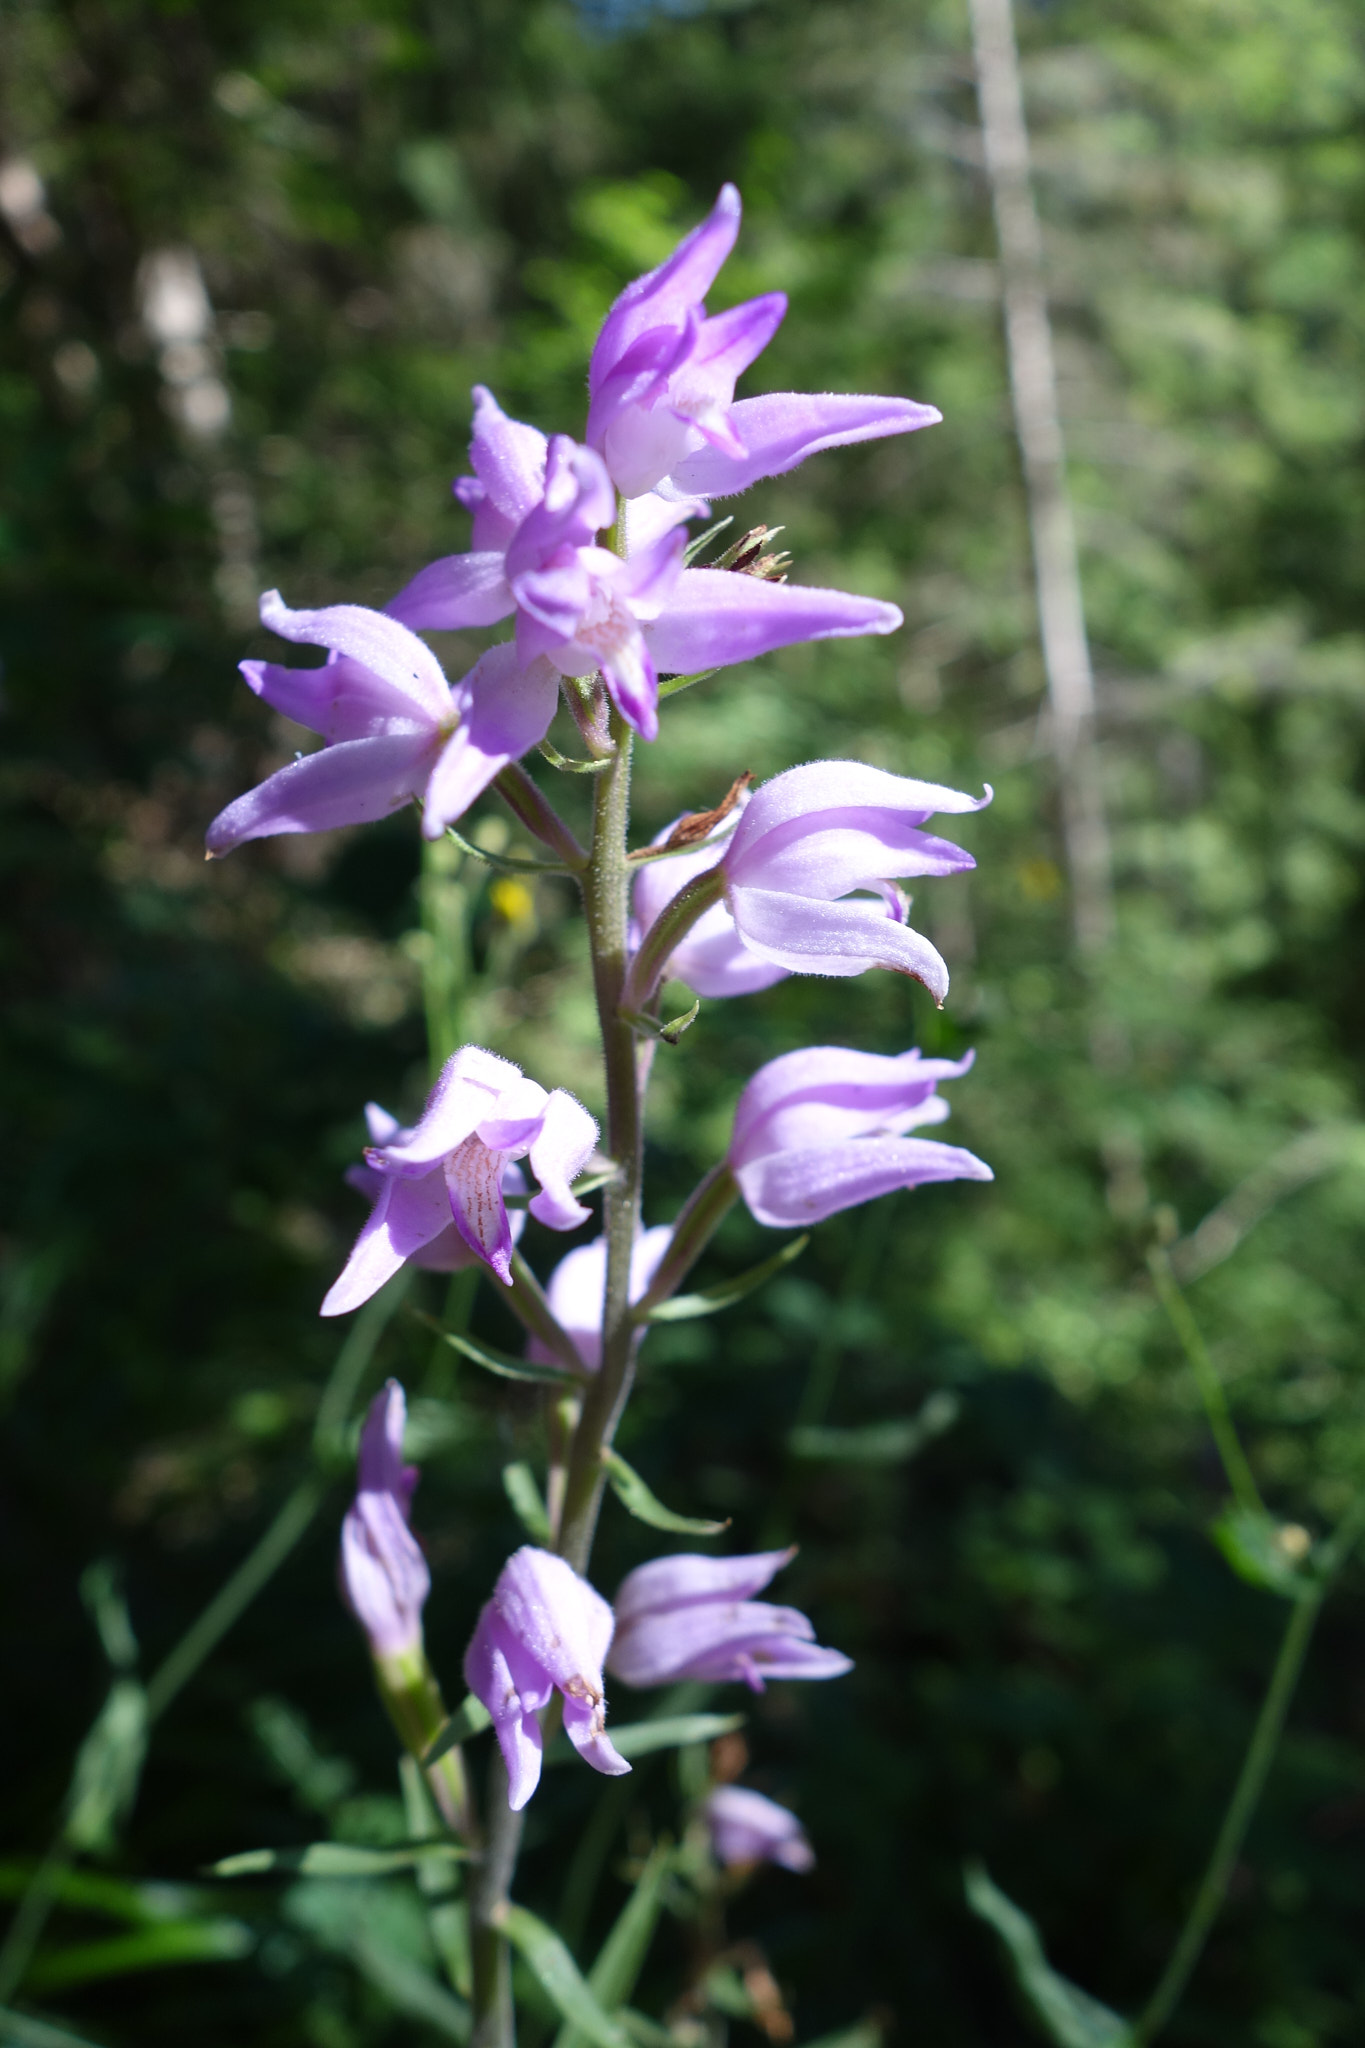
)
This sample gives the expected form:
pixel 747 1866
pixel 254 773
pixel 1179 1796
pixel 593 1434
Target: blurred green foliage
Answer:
pixel 1056 1668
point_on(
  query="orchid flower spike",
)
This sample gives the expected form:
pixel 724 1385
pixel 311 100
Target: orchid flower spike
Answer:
pixel 695 1617
pixel 393 727
pixel 586 610
pixel 787 865
pixel 482 1114
pixel 661 383
pixel 384 1575
pixel 823 1129
pixel 745 1828
pixel 577 1291
pixel 544 1630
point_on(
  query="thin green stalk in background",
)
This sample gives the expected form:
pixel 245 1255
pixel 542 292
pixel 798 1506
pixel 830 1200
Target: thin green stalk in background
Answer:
pixel 1239 1475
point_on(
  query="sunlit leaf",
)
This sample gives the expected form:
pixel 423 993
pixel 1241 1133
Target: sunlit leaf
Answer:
pixel 519 1484
pixel 560 1977
pixel 151 1948
pixel 1069 2016
pixel 504 1363
pixel 684 1307
pixel 108 1767
pixel 636 1498
pixel 338 1859
pixel 1264 1552
pixel 880 1443
pixel 470 1718
pixel 621 1957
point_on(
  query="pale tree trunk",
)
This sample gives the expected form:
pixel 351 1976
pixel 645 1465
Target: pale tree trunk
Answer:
pixel 1033 389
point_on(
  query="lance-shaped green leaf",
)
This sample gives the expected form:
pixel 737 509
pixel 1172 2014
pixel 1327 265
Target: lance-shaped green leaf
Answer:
pixel 506 863
pixel 567 765
pixel 469 1719
pixel 519 1484
pixel 541 1949
pixel 503 1363
pixel 621 1957
pixel 880 1443
pixel 150 1948
pixel 671 685
pixel 683 1307
pixel 108 1767
pixel 1266 1553
pixel 21 2030
pixel 636 1498
pixel 1068 2016
pixel 338 1859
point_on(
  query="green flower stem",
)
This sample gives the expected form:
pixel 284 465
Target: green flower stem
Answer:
pixel 527 1300
pixel 702 1213
pixel 606 896
pixel 1208 1900
pixel 671 926
pixel 534 810
pixel 412 1697
pixel 1246 1793
pixel 1239 1475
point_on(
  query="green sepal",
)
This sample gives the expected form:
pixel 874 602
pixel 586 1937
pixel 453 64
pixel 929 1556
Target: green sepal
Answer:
pixel 880 1443
pixel 519 1484
pixel 1069 2016
pixel 469 1719
pixel 503 1363
pixel 683 1307
pixel 636 1498
pixel 1253 1544
pixel 567 765
pixel 650 1027
pixel 506 863
pixel 338 1859
pixel 671 685
pixel 560 1977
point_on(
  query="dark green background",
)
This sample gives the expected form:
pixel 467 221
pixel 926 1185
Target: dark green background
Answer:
pixel 1055 1669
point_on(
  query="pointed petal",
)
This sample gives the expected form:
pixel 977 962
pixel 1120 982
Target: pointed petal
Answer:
pixel 557 1157
pixel 508 458
pixel 564 1623
pixel 583 1726
pixel 505 710
pixel 467 1089
pixel 342 700
pixel 716 617
pixel 668 1582
pixel 380 1125
pixel 406 1216
pixel 829 826
pixel 350 784
pixel 498 1671
pixel 473 1177
pixel 782 428
pixel 380 1463
pixel 826 1093
pixel 663 297
pixel 649 517
pixel 727 344
pixel 791 1189
pixel 808 937
pixel 379 643
pixel 459 590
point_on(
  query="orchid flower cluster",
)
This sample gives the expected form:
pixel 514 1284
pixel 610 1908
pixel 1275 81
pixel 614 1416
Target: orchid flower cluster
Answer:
pixel 585 551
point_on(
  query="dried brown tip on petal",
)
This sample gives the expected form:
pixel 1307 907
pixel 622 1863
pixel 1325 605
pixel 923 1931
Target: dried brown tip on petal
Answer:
pixel 695 825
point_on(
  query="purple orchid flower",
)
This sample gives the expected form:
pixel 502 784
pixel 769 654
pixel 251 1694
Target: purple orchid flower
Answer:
pixel 544 1630
pixel 661 383
pixel 447 1252
pixel 393 727
pixel 797 848
pixel 589 611
pixel 746 1828
pixel 695 1617
pixel 482 1114
pixel 823 1129
pixel 577 1289
pixel 384 1575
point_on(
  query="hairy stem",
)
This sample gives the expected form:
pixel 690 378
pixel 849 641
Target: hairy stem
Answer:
pixel 490 1959
pixel 535 811
pixel 606 897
